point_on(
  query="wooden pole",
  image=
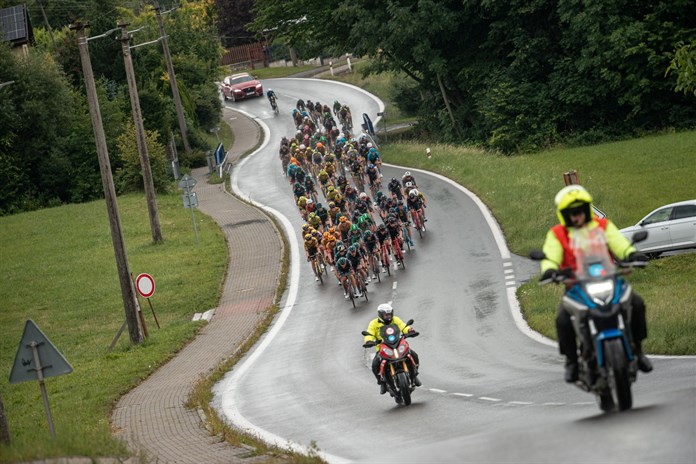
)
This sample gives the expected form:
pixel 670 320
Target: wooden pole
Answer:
pixel 172 80
pixel 140 137
pixel 127 287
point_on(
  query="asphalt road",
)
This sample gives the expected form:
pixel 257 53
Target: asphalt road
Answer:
pixel 491 393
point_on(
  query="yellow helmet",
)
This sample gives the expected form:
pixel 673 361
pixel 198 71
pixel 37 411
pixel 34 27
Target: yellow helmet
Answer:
pixel 570 198
pixel 308 237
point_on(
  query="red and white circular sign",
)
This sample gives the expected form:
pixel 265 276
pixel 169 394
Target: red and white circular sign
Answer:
pixel 145 285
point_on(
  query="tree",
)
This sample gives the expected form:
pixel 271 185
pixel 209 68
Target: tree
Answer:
pixel 684 66
pixel 233 17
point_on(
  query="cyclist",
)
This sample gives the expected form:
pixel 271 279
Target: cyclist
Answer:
pixel 394 187
pixel 384 239
pixel 300 105
pixel 356 256
pixel 373 177
pixel 311 248
pixel 355 234
pixel 328 243
pixel 374 158
pixel 408 182
pixel 344 227
pixel 344 272
pixel 404 216
pixel 415 204
pixel 370 244
pixel 298 189
pixel 336 107
pixel 323 215
pixel 272 98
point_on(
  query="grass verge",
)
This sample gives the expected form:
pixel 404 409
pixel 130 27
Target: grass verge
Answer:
pixel 59 270
pixel 627 179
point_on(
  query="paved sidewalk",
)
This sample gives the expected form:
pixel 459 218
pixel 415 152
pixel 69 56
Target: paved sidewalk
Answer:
pixel 152 417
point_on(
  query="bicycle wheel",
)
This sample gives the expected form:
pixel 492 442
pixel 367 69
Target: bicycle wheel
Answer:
pixel 317 271
pixel 375 267
pixel 385 259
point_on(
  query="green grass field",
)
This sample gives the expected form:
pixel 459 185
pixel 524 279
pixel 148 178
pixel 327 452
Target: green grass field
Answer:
pixel 59 270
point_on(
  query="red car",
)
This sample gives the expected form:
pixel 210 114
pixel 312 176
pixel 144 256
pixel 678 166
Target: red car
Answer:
pixel 241 86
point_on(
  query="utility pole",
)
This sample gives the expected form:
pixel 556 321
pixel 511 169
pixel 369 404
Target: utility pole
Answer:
pixel 172 79
pixel 48 26
pixel 140 138
pixel 127 287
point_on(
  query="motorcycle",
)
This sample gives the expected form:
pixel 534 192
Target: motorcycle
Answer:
pixel 397 366
pixel 598 300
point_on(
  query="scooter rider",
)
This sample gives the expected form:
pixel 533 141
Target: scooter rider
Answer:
pixel 574 210
pixel 385 316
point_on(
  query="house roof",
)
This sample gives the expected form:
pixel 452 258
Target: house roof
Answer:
pixel 15 26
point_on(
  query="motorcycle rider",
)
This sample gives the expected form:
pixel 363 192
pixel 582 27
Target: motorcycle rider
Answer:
pixel 574 211
pixel 385 316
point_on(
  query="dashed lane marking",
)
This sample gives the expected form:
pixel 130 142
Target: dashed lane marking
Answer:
pixel 486 398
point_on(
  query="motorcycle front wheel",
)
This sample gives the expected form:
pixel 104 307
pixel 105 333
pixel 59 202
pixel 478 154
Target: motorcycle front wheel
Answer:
pixel 404 387
pixel 617 370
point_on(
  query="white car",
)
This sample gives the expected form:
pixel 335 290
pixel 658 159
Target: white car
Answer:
pixel 670 227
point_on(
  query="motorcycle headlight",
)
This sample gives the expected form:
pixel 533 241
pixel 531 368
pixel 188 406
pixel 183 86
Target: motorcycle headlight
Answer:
pixel 601 291
pixel 388 351
pixel 402 348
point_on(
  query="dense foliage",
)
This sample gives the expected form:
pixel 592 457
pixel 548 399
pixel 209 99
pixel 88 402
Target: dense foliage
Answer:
pixel 517 74
pixel 47 150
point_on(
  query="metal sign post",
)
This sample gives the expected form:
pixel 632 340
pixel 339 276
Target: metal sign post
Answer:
pixel 190 201
pixel 34 347
pixel 145 285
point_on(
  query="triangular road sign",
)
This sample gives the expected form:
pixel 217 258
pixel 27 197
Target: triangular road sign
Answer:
pixel 52 362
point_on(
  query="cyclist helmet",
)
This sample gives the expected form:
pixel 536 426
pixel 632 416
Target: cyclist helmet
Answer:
pixel 305 226
pixel 370 166
pixel 412 193
pixel 385 313
pixel 416 191
pixel 342 261
pixel 381 227
pixel 326 235
pixel 320 145
pixel 354 227
pixel 302 147
pixel 341 179
pixel 308 237
pixel 352 250
pixel 330 188
pixel 342 219
pixel 363 195
pixel 407 173
pixel 310 201
pixel 573 198
pixel 379 195
pixel 331 204
pixel 367 234
pixel 332 230
pixel 369 144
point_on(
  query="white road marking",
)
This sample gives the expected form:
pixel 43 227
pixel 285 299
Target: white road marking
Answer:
pixel 523 403
pixel 510 276
pixel 437 390
pixel 394 286
pixel 467 395
pixel 507 264
pixel 509 271
pixel 553 404
pixel 486 398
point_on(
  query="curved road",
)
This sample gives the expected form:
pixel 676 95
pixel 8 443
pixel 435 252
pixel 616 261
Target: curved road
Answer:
pixel 491 393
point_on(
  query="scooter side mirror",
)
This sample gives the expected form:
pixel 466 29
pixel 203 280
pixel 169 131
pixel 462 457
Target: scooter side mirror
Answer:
pixel 409 322
pixel 365 332
pixel 537 255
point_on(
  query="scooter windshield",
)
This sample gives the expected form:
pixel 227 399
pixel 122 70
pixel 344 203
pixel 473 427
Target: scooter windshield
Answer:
pixel 593 260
